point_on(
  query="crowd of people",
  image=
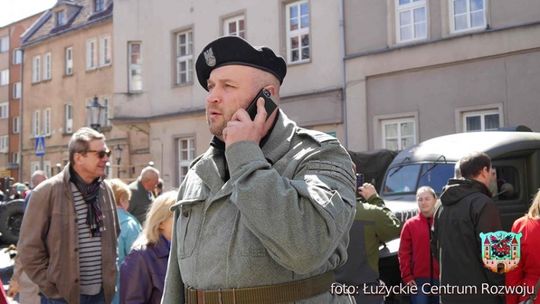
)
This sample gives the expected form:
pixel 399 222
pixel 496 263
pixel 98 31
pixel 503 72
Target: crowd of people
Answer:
pixel 268 214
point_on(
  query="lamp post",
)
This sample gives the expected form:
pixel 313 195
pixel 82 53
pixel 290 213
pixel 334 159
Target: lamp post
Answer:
pixel 118 156
pixel 95 109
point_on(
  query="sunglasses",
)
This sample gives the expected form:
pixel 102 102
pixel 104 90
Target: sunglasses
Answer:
pixel 102 153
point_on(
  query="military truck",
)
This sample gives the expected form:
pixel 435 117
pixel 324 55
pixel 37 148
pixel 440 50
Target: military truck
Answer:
pixel 515 157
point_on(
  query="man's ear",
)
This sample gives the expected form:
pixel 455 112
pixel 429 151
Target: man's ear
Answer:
pixel 272 89
pixel 77 158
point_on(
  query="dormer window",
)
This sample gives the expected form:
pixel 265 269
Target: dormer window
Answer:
pixel 60 18
pixel 99 5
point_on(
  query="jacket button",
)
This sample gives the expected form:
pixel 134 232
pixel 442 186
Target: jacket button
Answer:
pixel 76 280
pixel 76 249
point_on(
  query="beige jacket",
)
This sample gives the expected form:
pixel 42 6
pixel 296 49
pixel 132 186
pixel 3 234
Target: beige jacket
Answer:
pixel 48 242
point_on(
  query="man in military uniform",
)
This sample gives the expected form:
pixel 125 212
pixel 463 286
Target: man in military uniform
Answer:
pixel 263 215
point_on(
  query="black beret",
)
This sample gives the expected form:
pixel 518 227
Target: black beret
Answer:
pixel 233 50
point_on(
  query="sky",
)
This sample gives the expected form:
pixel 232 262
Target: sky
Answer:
pixel 13 10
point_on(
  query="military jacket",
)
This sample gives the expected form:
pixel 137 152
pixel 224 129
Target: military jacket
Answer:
pixel 283 215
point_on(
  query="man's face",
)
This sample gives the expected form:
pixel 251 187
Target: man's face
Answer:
pixel 151 183
pixel 230 88
pixel 426 203
pixel 91 164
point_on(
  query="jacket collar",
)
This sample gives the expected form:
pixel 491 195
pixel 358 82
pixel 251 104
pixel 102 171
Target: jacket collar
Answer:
pixel 161 248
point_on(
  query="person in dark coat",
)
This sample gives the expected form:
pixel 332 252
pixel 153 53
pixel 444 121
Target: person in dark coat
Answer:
pixel 142 192
pixel 466 210
pixel 142 275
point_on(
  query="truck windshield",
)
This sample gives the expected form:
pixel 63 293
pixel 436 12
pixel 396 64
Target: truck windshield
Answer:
pixel 405 179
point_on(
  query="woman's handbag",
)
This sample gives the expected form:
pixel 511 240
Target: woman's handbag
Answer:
pixel 533 296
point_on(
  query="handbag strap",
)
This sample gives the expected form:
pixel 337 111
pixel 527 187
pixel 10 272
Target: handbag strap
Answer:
pixel 535 291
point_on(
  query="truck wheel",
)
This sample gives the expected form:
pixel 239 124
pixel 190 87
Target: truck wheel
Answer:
pixel 11 215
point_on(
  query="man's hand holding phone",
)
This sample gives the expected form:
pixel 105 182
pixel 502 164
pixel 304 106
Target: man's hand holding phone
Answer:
pixel 242 128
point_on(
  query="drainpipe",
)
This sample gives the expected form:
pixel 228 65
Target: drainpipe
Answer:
pixel 343 77
pixel 21 117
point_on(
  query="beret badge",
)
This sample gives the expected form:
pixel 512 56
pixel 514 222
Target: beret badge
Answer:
pixel 209 57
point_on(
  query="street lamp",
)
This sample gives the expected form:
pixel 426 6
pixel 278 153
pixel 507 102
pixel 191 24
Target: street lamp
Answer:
pixel 95 109
pixel 118 156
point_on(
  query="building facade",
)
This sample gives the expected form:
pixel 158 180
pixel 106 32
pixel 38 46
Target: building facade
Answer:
pixel 68 64
pixel 156 91
pixel 4 100
pixel 416 69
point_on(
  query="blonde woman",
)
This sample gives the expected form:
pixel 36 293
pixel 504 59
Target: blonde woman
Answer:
pixel 142 275
pixel 528 271
pixel 129 226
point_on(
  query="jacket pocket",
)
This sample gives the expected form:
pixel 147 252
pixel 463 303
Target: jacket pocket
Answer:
pixel 189 225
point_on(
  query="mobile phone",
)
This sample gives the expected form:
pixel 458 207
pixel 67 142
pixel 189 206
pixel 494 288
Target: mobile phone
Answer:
pixel 359 180
pixel 269 104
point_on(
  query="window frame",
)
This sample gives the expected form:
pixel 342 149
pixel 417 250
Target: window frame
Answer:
pixel 482 114
pixel 4 110
pixel 91 54
pixel 97 8
pixel 68 61
pixel 17 90
pixel 184 163
pixel 47 66
pixel 16 125
pixel 47 122
pixel 411 7
pixel 4 143
pixel 4 77
pixel 398 137
pixel 186 58
pixel 105 57
pixel 298 33
pixel 4 44
pixel 236 20
pixel 135 67
pixel 468 13
pixel 68 118
pixel 60 21
pixel 36 123
pixel 17 56
pixel 36 69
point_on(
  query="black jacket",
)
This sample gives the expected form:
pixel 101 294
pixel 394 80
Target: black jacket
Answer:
pixel 466 210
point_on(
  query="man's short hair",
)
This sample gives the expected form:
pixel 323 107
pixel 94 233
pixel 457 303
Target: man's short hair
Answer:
pixel 37 177
pixel 472 164
pixel 149 173
pixel 80 141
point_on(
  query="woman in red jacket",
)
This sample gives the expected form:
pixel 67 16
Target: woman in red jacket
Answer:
pixel 414 249
pixel 528 270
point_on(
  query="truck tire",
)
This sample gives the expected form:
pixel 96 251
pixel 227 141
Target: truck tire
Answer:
pixel 11 215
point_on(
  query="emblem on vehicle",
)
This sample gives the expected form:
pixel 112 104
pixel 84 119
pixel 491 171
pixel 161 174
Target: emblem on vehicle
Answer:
pixel 500 250
pixel 209 57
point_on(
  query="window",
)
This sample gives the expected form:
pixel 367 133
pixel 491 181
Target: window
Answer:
pixel 4 143
pixel 398 134
pixel 135 66
pixel 411 20
pixel 17 56
pixel 184 57
pixel 235 27
pixel 36 121
pixel 106 112
pixel 68 61
pixel 297 27
pixel 47 167
pixel 481 121
pixel 34 166
pixel 186 153
pixel 105 51
pixel 16 125
pixel 68 118
pixel 17 90
pixel 15 158
pixel 99 5
pixel 47 122
pixel 47 66
pixel 467 14
pixel 36 69
pixel 4 77
pixel 91 54
pixel 4 44
pixel 60 18
pixel 4 110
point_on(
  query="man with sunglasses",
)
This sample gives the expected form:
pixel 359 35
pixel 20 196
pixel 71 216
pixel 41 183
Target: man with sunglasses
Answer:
pixel 68 236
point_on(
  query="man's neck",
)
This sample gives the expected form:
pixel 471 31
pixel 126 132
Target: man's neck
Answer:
pixel 85 177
